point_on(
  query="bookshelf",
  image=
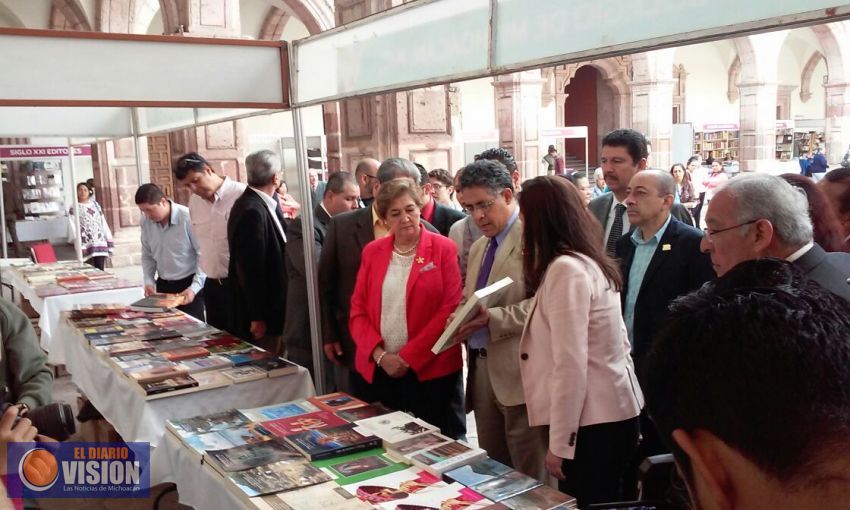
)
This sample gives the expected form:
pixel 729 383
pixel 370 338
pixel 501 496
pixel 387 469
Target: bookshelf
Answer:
pixel 805 141
pixel 784 144
pixel 717 144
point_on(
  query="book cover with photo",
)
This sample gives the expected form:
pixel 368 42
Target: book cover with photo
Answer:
pixel 539 498
pixel 277 477
pixel 320 444
pixel 360 466
pixel 285 410
pixel 324 496
pixel 395 486
pixel 303 422
pixel 506 486
pixel 244 373
pixel 337 401
pixel 395 427
pixel 179 382
pixel 478 472
pixel 445 457
pixel 453 497
pixel 415 444
pixel 251 455
pixel 250 433
pixel 363 412
pixel 206 423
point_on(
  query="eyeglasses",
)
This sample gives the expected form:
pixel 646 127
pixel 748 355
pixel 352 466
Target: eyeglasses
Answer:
pixel 437 186
pixel 709 232
pixel 370 176
pixel 482 206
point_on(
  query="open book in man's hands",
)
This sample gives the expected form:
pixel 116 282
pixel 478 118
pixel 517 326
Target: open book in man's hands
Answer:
pixel 468 311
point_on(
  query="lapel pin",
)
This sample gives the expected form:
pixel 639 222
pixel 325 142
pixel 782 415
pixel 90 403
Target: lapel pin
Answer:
pixel 420 260
pixel 665 247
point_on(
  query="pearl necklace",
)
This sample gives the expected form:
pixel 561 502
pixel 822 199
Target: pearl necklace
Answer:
pixel 407 251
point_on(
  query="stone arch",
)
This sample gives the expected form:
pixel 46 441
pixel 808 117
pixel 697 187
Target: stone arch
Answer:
pixel 734 76
pixel 831 50
pixel 144 12
pixel 806 75
pixel 273 24
pixel 68 15
pixel 317 15
pixel 614 70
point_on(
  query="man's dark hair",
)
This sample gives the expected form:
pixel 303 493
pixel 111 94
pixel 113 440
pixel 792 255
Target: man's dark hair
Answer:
pixel 840 176
pixel 501 155
pixel 338 180
pixel 760 358
pixel 487 173
pixel 189 162
pixel 442 175
pixel 633 141
pixel 149 194
pixel 423 174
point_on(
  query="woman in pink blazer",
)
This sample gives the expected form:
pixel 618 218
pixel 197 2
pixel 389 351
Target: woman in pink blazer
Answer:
pixel 407 286
pixel 577 371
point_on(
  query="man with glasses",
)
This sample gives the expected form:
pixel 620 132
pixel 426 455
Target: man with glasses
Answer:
pixel 442 187
pixel 493 389
pixel 759 215
pixel 660 261
pixel 365 173
pixel 212 199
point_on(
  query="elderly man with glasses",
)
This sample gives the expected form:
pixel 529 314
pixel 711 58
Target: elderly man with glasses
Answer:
pixel 365 172
pixel 759 215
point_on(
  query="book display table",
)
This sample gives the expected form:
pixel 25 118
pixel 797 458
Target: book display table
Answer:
pixel 138 419
pixel 50 308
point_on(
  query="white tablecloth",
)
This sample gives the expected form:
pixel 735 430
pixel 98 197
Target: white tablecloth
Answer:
pixel 138 419
pixel 50 309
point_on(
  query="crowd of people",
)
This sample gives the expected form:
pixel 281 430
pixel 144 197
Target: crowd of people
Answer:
pixel 627 332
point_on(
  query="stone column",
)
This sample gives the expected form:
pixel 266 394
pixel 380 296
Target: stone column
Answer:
pixel 837 132
pixel 758 126
pixel 518 99
pixel 652 115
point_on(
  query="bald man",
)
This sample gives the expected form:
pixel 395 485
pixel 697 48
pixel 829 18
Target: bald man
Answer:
pixel 366 175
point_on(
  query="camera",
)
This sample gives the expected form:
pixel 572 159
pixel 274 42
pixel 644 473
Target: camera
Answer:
pixel 52 420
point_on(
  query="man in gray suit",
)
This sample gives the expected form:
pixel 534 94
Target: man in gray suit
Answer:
pixel 759 215
pixel 341 194
pixel 624 153
pixel 493 389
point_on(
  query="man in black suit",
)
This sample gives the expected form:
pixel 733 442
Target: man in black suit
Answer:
pixel 660 260
pixel 347 235
pixel 435 213
pixel 624 153
pixel 341 195
pixel 759 215
pixel 256 236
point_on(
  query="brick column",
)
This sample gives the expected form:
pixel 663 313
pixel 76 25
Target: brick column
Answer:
pixel 758 125
pixel 518 99
pixel 652 115
pixel 837 121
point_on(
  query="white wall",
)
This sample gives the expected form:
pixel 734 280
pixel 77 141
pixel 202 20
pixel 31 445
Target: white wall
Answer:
pixel 795 53
pixel 156 27
pixel 294 30
pixel 478 105
pixel 707 66
pixel 252 13
pixel 32 13
pixel 89 7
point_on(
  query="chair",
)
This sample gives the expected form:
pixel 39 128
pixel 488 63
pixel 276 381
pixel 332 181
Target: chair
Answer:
pixel 42 253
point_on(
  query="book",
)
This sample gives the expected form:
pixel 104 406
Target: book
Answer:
pixel 320 444
pixel 205 380
pixel 395 487
pixel 218 340
pixel 125 348
pixel 194 366
pixel 246 357
pixel 111 339
pixel 454 496
pixel 167 385
pixel 326 496
pixel 363 412
pixel 197 331
pixel 275 367
pixel 296 424
pixel 469 310
pixel 276 411
pixel 395 427
pixel 506 486
pixel 337 401
pixel 155 371
pixel 154 334
pixel 414 444
pixel 206 423
pixel 249 433
pixel 174 343
pixel 157 303
pixel 542 498
pixel 142 356
pixel 277 477
pixel 185 353
pixel 230 348
pixel 124 366
pixel 244 374
pixel 360 466
pixel 251 455
pixel 445 457
pixel 478 472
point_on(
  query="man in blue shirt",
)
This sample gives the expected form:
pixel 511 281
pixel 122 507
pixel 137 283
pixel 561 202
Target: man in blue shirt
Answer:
pixel 170 251
pixel 660 260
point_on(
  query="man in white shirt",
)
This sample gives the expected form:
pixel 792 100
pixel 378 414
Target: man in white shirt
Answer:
pixel 212 198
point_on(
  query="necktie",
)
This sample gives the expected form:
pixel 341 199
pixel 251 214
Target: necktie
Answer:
pixel 616 229
pixel 479 338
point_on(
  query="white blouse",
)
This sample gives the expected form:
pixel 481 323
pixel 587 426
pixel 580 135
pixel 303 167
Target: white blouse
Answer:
pixel 393 303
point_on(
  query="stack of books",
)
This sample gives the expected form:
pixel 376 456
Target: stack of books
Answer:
pixel 326 452
pixel 169 353
pixel 69 278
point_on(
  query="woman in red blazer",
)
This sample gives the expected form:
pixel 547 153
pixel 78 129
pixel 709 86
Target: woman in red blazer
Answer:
pixel 577 371
pixel 407 286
